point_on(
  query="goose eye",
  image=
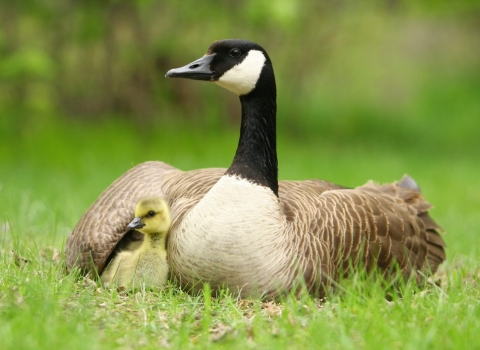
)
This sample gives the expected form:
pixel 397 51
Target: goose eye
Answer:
pixel 235 53
pixel 151 214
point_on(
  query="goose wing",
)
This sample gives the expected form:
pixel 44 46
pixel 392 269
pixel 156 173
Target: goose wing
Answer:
pixel 373 225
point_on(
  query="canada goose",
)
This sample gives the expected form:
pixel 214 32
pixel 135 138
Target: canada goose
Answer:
pixel 147 265
pixel 241 228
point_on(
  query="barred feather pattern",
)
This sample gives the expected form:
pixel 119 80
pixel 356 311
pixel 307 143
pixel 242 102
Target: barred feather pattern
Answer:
pixel 325 231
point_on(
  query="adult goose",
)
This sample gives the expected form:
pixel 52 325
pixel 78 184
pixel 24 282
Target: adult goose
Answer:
pixel 242 229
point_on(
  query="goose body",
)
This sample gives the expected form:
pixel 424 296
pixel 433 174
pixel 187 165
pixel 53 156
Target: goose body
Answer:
pixel 243 229
pixel 146 266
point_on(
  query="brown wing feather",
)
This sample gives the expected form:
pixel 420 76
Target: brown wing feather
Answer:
pixel 381 223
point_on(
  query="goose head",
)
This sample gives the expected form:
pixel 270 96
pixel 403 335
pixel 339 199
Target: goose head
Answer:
pixel 152 216
pixel 244 68
pixel 233 64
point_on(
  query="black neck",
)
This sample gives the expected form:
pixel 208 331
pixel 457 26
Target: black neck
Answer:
pixel 256 157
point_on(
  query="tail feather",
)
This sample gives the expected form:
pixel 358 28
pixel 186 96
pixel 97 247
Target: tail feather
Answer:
pixel 410 193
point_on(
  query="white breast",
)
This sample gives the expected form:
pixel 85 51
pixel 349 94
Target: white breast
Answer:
pixel 234 236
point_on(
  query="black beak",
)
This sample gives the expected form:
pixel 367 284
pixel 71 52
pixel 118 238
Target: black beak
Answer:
pixel 136 223
pixel 197 70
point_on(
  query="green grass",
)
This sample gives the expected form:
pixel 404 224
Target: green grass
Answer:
pixel 50 174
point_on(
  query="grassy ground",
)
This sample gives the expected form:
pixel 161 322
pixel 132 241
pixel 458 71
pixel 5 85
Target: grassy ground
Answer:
pixel 50 174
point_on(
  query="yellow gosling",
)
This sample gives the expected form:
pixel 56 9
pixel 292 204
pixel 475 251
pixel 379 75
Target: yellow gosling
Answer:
pixel 145 267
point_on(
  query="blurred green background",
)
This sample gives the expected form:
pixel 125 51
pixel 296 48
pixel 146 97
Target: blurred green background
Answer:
pixel 366 90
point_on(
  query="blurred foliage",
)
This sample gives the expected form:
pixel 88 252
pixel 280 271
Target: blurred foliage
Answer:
pixel 388 72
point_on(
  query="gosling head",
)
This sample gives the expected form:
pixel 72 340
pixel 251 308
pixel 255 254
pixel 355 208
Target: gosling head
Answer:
pixel 152 216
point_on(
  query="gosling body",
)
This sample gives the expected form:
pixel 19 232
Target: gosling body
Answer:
pixel 145 267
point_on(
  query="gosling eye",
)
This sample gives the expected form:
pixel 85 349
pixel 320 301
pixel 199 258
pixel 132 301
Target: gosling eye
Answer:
pixel 151 214
pixel 235 52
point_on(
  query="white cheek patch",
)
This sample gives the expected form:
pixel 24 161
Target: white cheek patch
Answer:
pixel 242 78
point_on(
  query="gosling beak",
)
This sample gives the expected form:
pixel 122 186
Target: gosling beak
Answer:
pixel 197 70
pixel 136 223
